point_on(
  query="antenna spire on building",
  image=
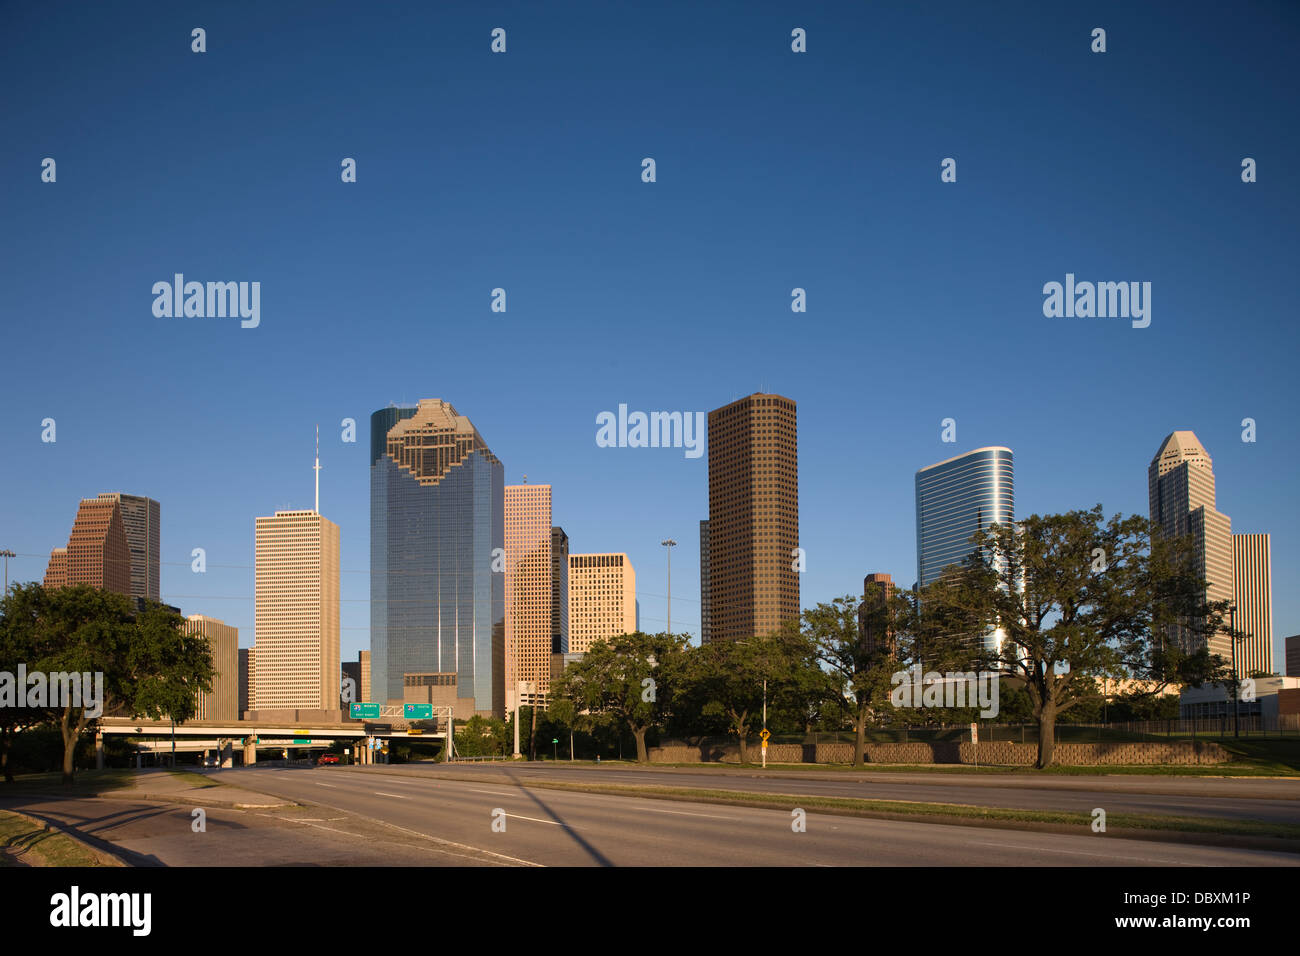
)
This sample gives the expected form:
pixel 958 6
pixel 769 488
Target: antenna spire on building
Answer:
pixel 317 469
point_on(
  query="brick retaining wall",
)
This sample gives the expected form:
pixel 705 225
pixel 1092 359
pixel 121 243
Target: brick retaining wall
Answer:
pixel 1181 752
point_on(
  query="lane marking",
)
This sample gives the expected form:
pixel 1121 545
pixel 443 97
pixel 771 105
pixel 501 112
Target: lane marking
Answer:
pixel 395 796
pixel 554 823
pixel 495 793
pixel 330 785
pixel 683 813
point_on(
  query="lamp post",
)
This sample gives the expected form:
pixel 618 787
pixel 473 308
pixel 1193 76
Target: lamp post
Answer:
pixel 670 544
pixel 7 554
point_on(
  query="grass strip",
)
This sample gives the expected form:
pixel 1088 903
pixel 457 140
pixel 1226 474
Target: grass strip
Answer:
pixel 38 846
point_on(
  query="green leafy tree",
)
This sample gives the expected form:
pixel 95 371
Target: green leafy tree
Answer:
pixel 150 666
pixel 626 678
pixel 1075 598
pixel 725 679
pixel 19 612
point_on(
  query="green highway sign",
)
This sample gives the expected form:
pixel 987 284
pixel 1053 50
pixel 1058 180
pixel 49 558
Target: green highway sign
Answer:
pixel 555 740
pixel 416 711
pixel 302 740
pixel 364 711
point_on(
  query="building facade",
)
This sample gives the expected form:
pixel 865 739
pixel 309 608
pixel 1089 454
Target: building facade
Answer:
pixel 97 552
pixel 1252 586
pixel 296 612
pixel 559 591
pixel 956 498
pixel 706 624
pixel 247 680
pixel 529 591
pixel 141 521
pixel 1180 488
pixel 602 599
pixel 877 590
pixel 223 640
pixel 753 517
pixel 437 554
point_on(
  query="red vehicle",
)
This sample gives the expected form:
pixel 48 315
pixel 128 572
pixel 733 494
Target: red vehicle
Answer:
pixel 327 758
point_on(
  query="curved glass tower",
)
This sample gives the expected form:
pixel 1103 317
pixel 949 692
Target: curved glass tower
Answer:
pixel 956 498
pixel 437 537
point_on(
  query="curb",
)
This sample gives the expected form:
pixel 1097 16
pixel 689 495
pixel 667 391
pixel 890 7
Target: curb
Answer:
pixel 106 857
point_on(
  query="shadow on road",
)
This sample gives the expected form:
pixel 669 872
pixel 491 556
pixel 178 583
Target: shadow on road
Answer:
pixel 590 850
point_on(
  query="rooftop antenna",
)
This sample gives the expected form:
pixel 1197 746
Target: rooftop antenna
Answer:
pixel 317 469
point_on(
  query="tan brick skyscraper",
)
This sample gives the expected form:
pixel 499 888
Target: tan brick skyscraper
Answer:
pixel 528 588
pixel 296 612
pixel 602 599
pixel 753 517
pixel 97 553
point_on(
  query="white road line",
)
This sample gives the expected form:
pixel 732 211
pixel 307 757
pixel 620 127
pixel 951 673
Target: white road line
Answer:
pixel 330 785
pixel 395 796
pixel 554 823
pixel 684 813
pixel 495 793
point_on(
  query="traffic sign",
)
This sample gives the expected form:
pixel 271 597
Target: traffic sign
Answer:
pixel 416 711
pixel 364 711
pixel 555 740
pixel 765 734
pixel 302 740
pixel 974 733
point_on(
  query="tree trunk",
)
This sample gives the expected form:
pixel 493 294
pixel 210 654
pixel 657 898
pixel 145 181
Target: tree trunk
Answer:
pixel 1046 735
pixel 641 755
pixel 860 749
pixel 744 749
pixel 70 736
pixel 6 743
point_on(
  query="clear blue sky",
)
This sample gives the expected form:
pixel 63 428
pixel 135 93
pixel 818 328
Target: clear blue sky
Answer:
pixel 522 171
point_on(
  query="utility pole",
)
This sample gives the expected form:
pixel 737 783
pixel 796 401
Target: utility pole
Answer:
pixel 1236 681
pixel 670 544
pixel 7 554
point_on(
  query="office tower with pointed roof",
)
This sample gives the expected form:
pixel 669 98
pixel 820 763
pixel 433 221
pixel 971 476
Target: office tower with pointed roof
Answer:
pixel 437 554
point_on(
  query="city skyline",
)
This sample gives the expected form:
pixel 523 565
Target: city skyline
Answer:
pixel 669 295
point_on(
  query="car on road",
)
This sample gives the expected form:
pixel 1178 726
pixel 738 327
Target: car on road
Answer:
pixel 327 758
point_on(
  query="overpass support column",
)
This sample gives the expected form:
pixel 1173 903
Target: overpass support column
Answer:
pixel 99 749
pixel 226 755
pixel 250 753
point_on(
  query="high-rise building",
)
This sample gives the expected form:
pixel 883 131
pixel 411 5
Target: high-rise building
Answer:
pixel 1291 651
pixel 437 554
pixel 140 519
pixel 956 498
pixel 1180 487
pixel 706 624
pixel 602 599
pixel 877 589
pixel 364 688
pixel 296 612
pixel 223 640
pixel 753 517
pixel 97 552
pixel 247 680
pixel 1252 585
pixel 559 591
pixel 529 590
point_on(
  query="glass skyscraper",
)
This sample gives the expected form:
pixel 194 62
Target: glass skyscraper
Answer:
pixel 437 546
pixel 956 498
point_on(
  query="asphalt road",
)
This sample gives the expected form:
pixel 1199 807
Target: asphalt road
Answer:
pixel 551 827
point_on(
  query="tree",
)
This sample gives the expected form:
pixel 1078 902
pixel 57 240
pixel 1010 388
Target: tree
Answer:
pixel 1074 598
pixel 148 665
pixel 18 612
pixel 859 673
pixel 726 679
pixel 626 678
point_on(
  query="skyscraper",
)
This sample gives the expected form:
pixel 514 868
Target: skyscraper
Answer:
pixel 954 499
pixel 528 589
pixel 97 552
pixel 223 640
pixel 1252 585
pixel 602 599
pixel 296 612
pixel 877 589
pixel 1180 488
pixel 559 591
pixel 140 519
pixel 753 517
pixel 437 554
pixel 706 590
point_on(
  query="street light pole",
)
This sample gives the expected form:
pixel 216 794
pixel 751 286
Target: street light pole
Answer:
pixel 670 544
pixel 1236 681
pixel 7 554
